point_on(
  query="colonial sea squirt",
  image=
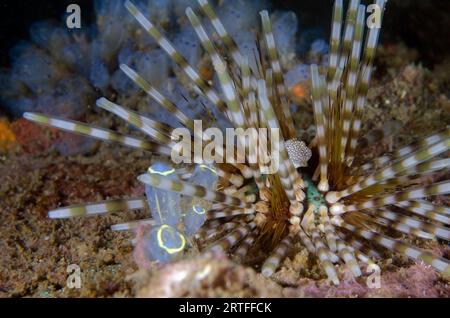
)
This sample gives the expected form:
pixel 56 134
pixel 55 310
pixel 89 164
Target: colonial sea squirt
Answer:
pixel 341 209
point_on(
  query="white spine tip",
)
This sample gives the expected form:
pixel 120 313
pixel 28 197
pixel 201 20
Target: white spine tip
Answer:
pixel 230 190
pixel 296 209
pixel 323 186
pixel 58 214
pixel 128 4
pixel 356 271
pixel 119 227
pixel 337 220
pixel 101 101
pixel 238 181
pixel 247 174
pixel 332 197
pixel 28 115
pixel 323 209
pixel 125 68
pixel 333 257
pixel 335 281
pixel 337 209
pixel 264 14
pixel 295 220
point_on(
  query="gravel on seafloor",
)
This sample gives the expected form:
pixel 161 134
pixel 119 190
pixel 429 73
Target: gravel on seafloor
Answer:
pixel 36 251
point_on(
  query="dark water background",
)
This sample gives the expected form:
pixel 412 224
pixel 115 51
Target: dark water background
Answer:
pixel 421 24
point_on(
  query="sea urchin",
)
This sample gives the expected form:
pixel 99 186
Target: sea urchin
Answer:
pixel 349 206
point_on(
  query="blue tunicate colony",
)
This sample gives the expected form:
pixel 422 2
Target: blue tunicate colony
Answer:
pixel 177 217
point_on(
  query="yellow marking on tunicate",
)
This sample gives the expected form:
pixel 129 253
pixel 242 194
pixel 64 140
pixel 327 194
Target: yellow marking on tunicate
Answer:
pixel 198 209
pixel 163 173
pixel 203 167
pixel 170 250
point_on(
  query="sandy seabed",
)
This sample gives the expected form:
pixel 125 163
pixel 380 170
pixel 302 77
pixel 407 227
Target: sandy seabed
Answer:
pixel 36 251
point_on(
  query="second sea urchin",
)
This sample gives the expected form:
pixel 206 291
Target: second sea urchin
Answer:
pixel 349 206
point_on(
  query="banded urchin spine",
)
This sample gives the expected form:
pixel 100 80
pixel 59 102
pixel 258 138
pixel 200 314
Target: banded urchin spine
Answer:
pixel 349 206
